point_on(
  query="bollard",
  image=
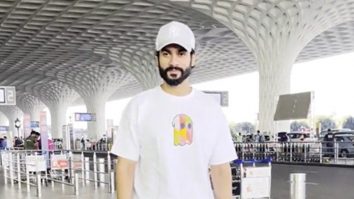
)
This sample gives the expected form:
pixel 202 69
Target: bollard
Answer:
pixel 101 171
pixel 87 170
pixel 63 179
pixel 335 152
pixel 82 169
pixel 320 152
pixel 95 169
pixel 76 187
pixel 18 170
pixel 11 169
pixel 112 185
pixel 297 186
pixel 39 188
pixel 71 166
pixel 27 177
pixel 305 152
pixel 5 170
pixel 109 167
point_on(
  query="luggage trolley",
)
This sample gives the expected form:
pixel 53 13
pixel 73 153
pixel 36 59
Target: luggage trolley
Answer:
pixel 251 179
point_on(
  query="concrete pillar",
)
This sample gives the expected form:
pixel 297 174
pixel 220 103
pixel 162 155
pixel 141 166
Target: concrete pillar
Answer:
pixel 3 120
pixel 96 104
pixel 57 114
pixel 274 80
pixel 36 109
pixel 11 112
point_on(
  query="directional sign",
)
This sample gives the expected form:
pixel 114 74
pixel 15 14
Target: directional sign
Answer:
pixel 7 95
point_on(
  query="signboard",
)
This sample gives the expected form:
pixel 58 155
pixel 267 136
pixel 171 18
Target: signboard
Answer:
pixel 4 128
pixel 59 162
pixel 256 182
pixel 86 117
pixel 222 97
pixel 293 106
pixel 36 163
pixel 2 95
pixel 7 95
pixel 34 124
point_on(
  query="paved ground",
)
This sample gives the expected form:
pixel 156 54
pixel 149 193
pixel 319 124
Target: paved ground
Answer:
pixel 333 183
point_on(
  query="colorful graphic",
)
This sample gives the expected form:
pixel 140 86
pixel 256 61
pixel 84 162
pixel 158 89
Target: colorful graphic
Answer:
pixel 182 130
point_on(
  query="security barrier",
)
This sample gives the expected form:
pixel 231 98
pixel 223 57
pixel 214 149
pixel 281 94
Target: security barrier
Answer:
pixel 78 169
pixel 66 168
pixel 305 152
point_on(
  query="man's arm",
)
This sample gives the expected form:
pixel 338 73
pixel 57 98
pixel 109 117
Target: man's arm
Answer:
pixel 222 181
pixel 125 178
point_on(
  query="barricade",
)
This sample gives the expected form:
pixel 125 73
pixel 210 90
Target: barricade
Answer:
pixel 251 179
pixel 18 168
pixel 58 167
pixel 304 152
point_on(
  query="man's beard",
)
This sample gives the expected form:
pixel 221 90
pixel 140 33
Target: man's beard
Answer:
pixel 175 82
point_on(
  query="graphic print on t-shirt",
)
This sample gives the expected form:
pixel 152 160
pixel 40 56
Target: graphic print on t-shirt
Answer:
pixel 182 130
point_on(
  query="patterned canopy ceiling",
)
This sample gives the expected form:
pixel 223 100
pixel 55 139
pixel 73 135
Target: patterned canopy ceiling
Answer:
pixel 55 48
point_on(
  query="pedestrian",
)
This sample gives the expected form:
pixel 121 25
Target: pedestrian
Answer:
pixel 171 136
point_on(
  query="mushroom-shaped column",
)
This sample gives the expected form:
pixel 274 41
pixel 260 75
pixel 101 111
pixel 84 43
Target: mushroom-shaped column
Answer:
pixel 276 32
pixel 30 105
pixel 3 119
pixel 140 63
pixel 95 100
pixel 100 79
pixel 12 112
pixel 58 97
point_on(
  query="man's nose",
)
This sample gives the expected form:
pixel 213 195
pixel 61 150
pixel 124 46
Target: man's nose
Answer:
pixel 174 61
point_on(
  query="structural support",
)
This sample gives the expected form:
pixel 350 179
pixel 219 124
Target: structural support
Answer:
pixel 274 80
pixel 97 105
pixel 57 113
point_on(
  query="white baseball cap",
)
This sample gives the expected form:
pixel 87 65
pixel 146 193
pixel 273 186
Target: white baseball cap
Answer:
pixel 175 33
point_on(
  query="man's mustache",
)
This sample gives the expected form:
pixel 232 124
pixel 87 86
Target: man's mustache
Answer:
pixel 170 68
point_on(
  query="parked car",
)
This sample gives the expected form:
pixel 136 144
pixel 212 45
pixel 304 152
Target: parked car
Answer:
pixel 298 136
pixel 345 142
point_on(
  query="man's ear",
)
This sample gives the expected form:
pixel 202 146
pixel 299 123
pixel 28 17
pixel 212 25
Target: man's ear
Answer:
pixel 157 58
pixel 193 57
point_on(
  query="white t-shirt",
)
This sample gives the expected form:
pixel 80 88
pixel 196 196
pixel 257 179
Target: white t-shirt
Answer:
pixel 174 141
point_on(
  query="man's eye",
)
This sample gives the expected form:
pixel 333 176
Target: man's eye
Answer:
pixel 182 53
pixel 164 54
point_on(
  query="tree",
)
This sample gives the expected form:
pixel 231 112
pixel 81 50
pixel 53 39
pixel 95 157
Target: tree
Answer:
pixel 349 123
pixel 245 127
pixel 327 123
pixel 297 126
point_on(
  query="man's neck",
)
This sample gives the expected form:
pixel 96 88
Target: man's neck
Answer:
pixel 181 90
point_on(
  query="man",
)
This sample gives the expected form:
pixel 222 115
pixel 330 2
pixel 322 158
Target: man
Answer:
pixel 172 135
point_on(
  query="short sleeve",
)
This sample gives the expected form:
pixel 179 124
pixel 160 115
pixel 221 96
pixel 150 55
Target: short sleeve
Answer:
pixel 224 150
pixel 126 143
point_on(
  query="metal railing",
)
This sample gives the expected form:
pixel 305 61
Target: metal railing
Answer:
pixel 305 152
pixel 67 168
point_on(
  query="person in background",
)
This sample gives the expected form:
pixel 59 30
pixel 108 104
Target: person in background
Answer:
pixel 239 137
